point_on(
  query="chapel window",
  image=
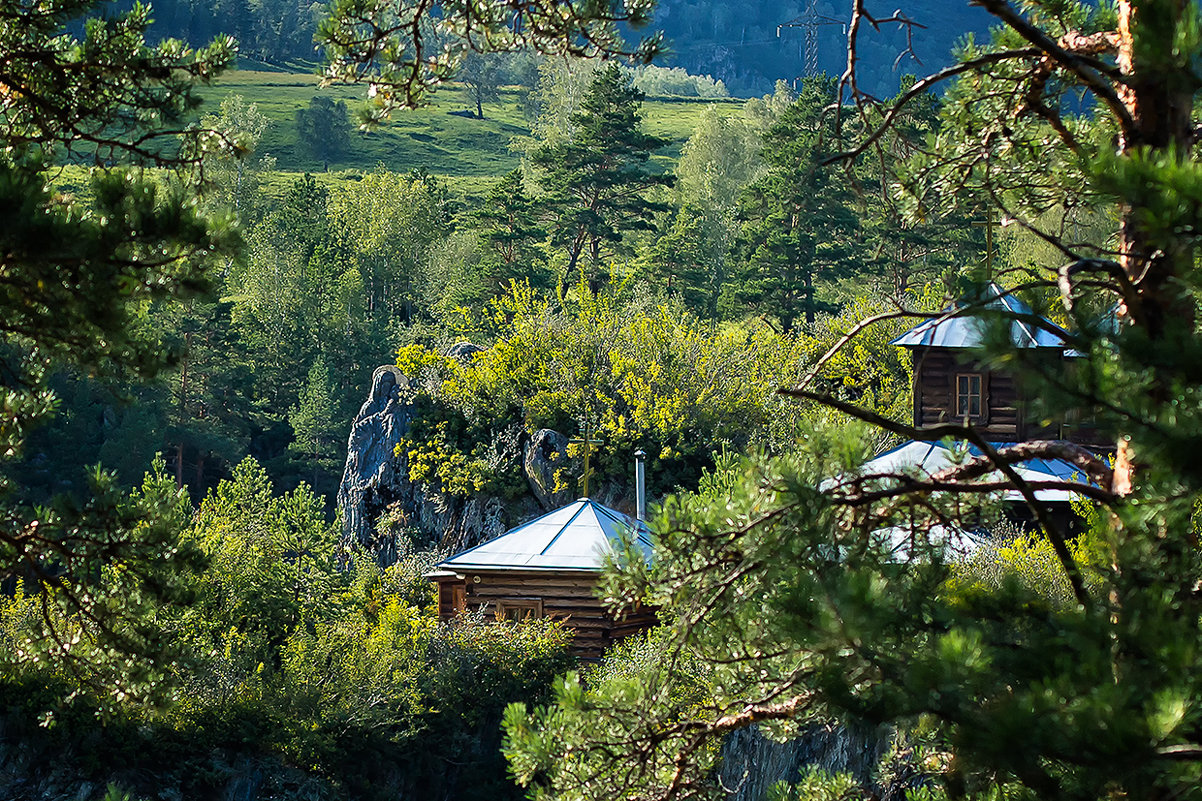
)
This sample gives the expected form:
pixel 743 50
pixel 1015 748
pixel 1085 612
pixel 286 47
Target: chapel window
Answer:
pixel 968 396
pixel 519 608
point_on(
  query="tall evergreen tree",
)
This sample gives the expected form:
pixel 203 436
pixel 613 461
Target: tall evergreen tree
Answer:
pixel 596 179
pixel 77 275
pixel 798 220
pixel 512 235
pixel 687 260
pixel 811 588
pixel 315 421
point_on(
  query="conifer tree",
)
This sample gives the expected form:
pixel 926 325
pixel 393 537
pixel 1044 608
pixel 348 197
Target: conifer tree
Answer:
pixel 596 179
pixel 798 220
pixel 77 277
pixel 314 420
pixel 512 236
pixel 687 259
pixel 808 588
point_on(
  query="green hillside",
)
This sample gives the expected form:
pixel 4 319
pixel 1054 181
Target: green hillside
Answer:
pixel 441 139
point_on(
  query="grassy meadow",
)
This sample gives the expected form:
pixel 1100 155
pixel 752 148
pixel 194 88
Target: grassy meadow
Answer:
pixel 442 139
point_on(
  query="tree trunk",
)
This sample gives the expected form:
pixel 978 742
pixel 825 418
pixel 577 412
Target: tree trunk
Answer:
pixel 573 260
pixel 1160 112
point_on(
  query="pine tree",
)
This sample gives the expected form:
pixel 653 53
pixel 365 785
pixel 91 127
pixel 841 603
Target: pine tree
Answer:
pixel 687 259
pixel 799 220
pixel 808 588
pixel 512 236
pixel 78 276
pixel 314 420
pixel 596 180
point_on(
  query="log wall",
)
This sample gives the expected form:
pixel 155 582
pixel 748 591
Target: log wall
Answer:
pixel 567 596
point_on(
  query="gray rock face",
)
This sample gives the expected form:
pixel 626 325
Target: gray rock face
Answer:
pixel 375 481
pixel 373 477
pixel 464 350
pixel 546 453
pixel 751 763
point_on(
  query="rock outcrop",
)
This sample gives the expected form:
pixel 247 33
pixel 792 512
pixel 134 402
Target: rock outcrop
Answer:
pixel 380 506
pixel 751 763
pixel 546 454
pixel 374 479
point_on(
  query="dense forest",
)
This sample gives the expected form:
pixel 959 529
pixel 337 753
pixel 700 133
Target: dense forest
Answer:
pixel 503 248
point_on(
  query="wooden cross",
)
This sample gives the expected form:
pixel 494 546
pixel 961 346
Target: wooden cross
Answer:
pixel 586 443
pixel 988 224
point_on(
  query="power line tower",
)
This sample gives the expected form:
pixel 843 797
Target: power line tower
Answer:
pixel 809 21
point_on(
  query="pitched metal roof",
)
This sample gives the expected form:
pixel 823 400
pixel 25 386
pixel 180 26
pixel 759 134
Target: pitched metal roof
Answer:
pixel 575 537
pixel 965 327
pixel 930 457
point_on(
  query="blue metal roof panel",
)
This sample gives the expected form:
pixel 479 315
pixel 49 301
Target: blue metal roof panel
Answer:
pixel 931 457
pixel 964 329
pixel 578 536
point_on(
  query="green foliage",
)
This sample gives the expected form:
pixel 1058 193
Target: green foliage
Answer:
pixel 323 129
pixel 406 54
pixel 1029 559
pixel 867 369
pixel 799 219
pixel 79 275
pixel 238 172
pixel 385 223
pixel 89 605
pixel 676 82
pixel 314 419
pixel 481 76
pixel 686 261
pixel 641 682
pixel 596 178
pixel 818 785
pixel 280 657
pixel 655 378
pixel 512 236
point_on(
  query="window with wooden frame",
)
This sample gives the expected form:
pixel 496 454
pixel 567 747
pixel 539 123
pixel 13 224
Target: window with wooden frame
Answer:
pixel 519 608
pixel 969 396
pixel 452 597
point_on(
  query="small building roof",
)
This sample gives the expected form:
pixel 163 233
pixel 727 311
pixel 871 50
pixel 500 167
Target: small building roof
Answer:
pixel 575 537
pixel 930 457
pixel 964 328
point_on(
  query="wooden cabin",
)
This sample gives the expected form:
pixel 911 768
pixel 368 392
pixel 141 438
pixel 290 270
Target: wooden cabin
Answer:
pixel 548 567
pixel 951 385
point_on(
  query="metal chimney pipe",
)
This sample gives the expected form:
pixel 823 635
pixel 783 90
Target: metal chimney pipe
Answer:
pixel 640 485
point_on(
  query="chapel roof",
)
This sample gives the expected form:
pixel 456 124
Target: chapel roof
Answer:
pixel 928 458
pixel 962 326
pixel 578 536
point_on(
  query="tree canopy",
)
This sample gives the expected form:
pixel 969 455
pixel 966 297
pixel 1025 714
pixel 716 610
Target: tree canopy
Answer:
pixel 783 593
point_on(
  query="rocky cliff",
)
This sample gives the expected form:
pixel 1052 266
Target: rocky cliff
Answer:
pixel 381 507
pixel 751 763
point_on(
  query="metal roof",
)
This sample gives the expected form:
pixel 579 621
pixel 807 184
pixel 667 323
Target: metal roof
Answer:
pixel 966 327
pixel 931 457
pixel 575 537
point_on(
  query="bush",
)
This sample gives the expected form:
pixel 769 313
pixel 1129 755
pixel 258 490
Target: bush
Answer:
pixel 677 82
pixel 294 671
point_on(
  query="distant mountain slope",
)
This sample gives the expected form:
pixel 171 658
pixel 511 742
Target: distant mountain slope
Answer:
pixel 735 40
pixel 739 42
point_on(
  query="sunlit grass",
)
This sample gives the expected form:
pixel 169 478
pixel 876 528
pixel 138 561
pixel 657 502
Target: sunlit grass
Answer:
pixel 440 139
